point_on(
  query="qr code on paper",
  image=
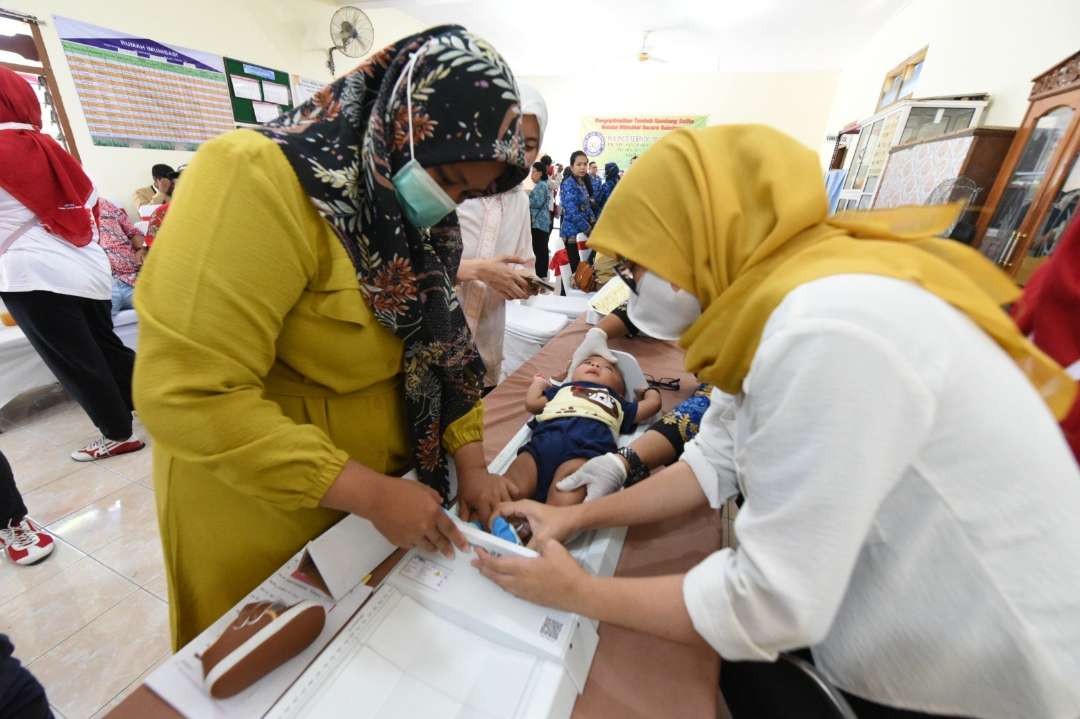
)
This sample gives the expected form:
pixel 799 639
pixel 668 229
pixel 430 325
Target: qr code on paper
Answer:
pixel 551 629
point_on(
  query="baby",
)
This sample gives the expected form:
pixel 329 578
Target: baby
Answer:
pixel 575 422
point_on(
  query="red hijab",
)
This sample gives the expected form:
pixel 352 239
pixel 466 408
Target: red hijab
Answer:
pixel 37 171
pixel 1049 311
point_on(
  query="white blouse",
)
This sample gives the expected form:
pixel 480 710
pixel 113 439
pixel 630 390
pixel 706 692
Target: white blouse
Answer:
pixel 490 227
pixel 39 260
pixel 912 510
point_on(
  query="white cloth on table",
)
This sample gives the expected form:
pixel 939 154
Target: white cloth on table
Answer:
pixel 910 509
pixel 39 260
pixel 490 227
pixel 21 368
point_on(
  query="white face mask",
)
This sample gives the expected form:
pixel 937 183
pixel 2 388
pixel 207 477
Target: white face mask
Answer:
pixel 661 311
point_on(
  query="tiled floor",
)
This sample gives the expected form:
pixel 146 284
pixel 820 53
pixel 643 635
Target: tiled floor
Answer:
pixel 91 620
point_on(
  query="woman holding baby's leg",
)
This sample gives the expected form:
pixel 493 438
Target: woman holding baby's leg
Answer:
pixel 864 370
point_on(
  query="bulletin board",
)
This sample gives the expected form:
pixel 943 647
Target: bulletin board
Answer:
pixel 258 93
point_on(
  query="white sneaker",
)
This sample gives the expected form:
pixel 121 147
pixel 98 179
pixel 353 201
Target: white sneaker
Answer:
pixel 26 542
pixel 103 447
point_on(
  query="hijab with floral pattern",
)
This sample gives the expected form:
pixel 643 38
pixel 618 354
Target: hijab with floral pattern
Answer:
pixel 346 143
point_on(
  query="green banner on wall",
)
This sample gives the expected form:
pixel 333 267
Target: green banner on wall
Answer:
pixel 617 139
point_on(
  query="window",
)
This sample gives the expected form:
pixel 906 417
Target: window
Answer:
pixel 900 82
pixel 925 123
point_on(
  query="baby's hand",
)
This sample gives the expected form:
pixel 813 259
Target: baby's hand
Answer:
pixel 540 379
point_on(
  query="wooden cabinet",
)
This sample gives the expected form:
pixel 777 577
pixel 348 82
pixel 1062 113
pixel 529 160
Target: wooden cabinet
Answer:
pixel 916 168
pixel 1038 189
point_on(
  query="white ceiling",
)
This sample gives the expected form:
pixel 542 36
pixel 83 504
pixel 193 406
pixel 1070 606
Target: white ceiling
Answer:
pixel 557 37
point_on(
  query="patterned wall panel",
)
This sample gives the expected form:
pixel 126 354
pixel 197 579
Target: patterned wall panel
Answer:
pixel 914 171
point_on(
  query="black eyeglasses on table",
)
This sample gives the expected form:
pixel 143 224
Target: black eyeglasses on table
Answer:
pixel 668 383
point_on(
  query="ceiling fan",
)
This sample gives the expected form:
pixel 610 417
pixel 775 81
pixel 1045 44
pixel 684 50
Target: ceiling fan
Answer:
pixel 644 55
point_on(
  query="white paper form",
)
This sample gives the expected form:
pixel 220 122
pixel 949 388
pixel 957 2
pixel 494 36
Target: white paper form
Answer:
pixel 246 88
pixel 265 111
pixel 179 681
pixel 399 660
pixel 304 89
pixel 457 592
pixel 275 92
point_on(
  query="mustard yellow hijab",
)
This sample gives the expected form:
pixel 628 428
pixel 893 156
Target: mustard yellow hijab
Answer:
pixel 737 216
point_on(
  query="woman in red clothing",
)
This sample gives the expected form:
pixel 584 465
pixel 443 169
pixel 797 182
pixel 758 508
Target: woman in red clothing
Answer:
pixel 1049 312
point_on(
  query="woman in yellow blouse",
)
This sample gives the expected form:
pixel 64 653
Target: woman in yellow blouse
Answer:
pixel 300 342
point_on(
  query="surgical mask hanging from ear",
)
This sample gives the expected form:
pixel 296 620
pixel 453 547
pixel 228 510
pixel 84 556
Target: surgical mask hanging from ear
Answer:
pixel 661 311
pixel 422 200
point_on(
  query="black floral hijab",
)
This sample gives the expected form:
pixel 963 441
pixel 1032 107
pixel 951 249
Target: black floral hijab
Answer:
pixel 346 143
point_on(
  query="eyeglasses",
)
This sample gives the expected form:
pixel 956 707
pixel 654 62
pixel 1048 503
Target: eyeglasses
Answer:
pixel 625 271
pixel 668 383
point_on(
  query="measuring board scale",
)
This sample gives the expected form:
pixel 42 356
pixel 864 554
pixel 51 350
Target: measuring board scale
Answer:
pixel 397 659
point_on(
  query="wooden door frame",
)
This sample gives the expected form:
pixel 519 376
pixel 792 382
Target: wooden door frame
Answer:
pixel 50 80
pixel 1055 175
pixel 1048 192
pixel 45 71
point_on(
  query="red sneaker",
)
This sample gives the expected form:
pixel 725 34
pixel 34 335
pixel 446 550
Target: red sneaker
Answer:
pixel 25 542
pixel 103 447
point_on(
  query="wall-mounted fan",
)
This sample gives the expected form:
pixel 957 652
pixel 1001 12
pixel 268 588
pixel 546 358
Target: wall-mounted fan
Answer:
pixel 351 33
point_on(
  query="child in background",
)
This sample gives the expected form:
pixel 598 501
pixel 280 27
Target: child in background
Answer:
pixel 575 422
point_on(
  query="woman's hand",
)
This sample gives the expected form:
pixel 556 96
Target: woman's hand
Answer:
pixel 410 514
pixel 547 522
pixel 500 275
pixel 480 492
pixel 553 579
pixel 594 343
pixel 600 475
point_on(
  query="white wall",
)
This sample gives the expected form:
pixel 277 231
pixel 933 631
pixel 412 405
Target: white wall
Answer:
pixel 797 103
pixel 993 46
pixel 291 36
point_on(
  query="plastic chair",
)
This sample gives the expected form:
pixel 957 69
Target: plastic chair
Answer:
pixel 962 190
pixel 832 702
pixel 788 687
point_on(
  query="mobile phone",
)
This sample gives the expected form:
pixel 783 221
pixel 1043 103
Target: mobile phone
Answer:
pixel 539 285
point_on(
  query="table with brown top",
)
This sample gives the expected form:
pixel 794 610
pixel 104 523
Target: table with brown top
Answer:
pixel 633 674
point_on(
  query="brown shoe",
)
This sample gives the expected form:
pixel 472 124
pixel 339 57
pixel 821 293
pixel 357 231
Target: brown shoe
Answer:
pixel 263 637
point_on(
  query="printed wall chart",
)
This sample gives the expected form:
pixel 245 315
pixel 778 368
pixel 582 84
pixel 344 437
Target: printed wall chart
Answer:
pixel 137 92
